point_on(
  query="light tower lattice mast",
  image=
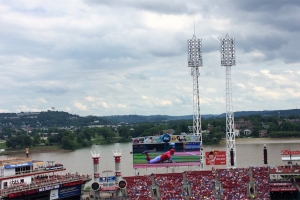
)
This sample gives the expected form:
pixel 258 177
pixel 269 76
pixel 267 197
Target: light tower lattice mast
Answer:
pixel 195 61
pixel 228 60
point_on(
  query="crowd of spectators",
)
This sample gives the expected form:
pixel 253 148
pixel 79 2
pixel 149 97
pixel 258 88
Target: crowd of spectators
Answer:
pixel 226 184
pixel 234 183
pixel 202 184
pixel 170 185
pixel 261 178
pixel 138 187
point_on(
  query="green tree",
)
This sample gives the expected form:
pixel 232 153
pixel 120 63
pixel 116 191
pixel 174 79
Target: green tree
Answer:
pixel 19 141
pixel 124 132
pixel 107 133
pixel 139 129
pixel 88 133
pixel 255 132
pixel 7 132
pixel 69 143
pixel 82 140
pixel 36 139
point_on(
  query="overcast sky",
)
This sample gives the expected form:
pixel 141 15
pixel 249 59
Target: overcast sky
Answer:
pixel 117 57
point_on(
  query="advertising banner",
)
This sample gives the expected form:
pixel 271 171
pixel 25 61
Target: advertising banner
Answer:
pixel 107 179
pixel 215 157
pixel 165 138
pixel 65 192
pixel 155 151
pixel 18 165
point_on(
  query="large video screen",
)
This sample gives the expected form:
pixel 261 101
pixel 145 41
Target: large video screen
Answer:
pixel 165 151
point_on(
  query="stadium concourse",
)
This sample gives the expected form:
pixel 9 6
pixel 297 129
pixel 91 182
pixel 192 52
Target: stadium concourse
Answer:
pixel 261 183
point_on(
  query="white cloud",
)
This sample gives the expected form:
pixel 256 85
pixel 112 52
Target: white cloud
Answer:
pixel 40 101
pixel 23 108
pixel 122 57
pixel 241 85
pixel 90 99
pixel 104 105
pixel 4 111
pixel 80 106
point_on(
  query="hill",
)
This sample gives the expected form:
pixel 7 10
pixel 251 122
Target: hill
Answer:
pixel 64 119
pixel 156 118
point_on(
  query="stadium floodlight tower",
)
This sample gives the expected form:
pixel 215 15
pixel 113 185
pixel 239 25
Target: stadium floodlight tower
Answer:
pixel 195 61
pixel 228 60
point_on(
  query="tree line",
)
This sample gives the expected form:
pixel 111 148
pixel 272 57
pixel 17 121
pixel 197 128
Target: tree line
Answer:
pixel 84 136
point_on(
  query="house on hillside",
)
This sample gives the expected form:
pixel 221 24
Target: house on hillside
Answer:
pixel 263 133
pixel 242 124
pixel 294 120
pixel 169 131
pixel 236 132
pixel 247 132
pixel 265 126
pixel 210 127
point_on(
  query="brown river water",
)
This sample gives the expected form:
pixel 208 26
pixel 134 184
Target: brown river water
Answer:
pixel 249 152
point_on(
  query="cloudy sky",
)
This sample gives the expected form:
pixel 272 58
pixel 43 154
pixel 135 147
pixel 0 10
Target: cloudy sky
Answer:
pixel 117 57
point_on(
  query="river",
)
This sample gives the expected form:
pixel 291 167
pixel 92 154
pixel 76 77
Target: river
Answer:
pixel 249 152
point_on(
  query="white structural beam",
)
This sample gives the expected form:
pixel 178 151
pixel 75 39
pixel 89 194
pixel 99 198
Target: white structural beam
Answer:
pixel 228 60
pixel 195 61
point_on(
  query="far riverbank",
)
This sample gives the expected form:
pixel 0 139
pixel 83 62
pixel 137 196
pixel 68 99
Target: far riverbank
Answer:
pixel 55 149
pixel 263 140
pixel 39 149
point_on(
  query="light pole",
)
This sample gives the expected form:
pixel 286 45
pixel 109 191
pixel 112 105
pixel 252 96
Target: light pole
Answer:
pixel 228 60
pixel 195 61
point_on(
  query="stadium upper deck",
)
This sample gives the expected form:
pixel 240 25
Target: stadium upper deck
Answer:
pixel 281 182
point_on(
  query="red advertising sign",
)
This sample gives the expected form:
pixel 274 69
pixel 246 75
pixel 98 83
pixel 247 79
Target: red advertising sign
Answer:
pixel 289 152
pixel 215 157
pixel 109 188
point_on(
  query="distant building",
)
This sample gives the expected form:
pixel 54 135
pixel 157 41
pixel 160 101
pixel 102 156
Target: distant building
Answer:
pixel 94 126
pixel 169 131
pixel 237 132
pixel 294 120
pixel 28 114
pixel 263 133
pixel 247 132
pixel 242 123
pixel 210 127
pixel 205 131
pixel 265 126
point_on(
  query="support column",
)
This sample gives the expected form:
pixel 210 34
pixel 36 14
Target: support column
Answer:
pixel 96 174
pixel 118 174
